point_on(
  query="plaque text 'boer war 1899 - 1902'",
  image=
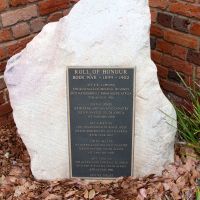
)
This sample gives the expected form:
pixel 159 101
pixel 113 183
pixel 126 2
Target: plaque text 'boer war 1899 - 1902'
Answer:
pixel 101 104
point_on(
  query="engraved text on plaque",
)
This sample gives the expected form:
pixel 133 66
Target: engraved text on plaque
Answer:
pixel 101 121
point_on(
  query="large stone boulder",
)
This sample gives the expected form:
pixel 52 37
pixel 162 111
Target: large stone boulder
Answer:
pixel 95 33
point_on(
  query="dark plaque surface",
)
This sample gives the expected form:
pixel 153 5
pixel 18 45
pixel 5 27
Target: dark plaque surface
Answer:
pixel 101 116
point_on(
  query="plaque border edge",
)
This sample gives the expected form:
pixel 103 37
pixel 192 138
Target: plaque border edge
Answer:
pixel 69 124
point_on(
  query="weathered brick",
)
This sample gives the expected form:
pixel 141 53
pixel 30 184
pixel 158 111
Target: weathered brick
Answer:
pixel 37 24
pixel 18 2
pixel 2 66
pixel 165 19
pixel 13 16
pixel 3 53
pixel 55 17
pixel 177 64
pixel 162 4
pixel 5 109
pixel 162 71
pixel 153 43
pixel 185 9
pixel 181 24
pixel 14 48
pixel 181 39
pixel 164 46
pixel 21 30
pixel 17 46
pixel 193 57
pixel 179 52
pixel 156 31
pixel 174 88
pixel 156 56
pixel 50 6
pixel 5 35
pixel 2 100
pixel 195 29
pixel 2 83
pixel 3 5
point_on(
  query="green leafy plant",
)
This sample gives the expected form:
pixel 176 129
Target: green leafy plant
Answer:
pixel 189 118
pixel 198 194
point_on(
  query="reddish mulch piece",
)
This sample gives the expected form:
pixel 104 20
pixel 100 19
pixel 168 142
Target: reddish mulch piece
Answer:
pixel 178 181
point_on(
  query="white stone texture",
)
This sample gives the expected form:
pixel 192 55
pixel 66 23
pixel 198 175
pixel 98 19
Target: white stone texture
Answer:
pixel 95 33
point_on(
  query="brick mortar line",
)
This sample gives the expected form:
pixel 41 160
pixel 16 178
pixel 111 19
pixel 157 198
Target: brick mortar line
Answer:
pixel 170 29
pixel 16 40
pixel 29 23
pixel 21 6
pixel 174 82
pixel 191 3
pixel 4 60
pixel 194 74
pixel 10 26
pixel 179 15
pixel 163 53
pixel 45 22
pixel 173 56
pixel 167 78
pixel 37 4
pixel 5 91
pixel 4 104
pixel 175 14
pixel 32 18
pixel 186 33
pixel 1 76
pixel 21 37
pixel 1 24
pixel 6 44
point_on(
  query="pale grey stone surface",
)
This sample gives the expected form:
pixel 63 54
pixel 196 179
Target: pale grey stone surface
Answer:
pixel 95 33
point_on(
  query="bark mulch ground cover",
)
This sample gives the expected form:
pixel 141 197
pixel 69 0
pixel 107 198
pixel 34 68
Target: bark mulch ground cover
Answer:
pixel 178 181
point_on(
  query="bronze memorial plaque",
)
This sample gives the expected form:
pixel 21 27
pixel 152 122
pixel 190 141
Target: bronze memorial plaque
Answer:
pixel 101 122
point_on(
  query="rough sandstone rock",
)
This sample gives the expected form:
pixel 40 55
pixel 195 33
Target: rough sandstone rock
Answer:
pixel 95 33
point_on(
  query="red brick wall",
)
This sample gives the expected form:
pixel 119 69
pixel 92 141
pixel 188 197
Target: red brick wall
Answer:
pixel 175 43
pixel 175 38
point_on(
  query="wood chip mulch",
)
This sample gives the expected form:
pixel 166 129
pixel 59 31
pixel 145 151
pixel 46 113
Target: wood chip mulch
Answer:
pixel 178 181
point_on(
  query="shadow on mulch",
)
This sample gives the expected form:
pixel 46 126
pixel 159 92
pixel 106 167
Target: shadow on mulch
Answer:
pixel 178 181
